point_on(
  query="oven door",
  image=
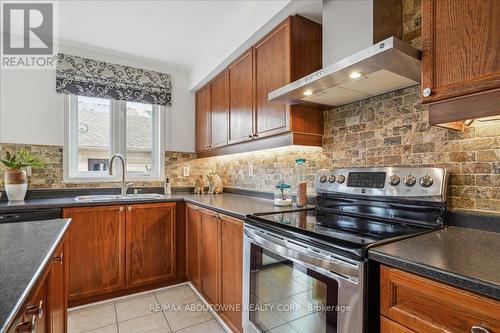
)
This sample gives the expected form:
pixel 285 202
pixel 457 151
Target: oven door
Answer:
pixel 292 287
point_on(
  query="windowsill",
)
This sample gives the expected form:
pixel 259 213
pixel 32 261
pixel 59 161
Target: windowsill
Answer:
pixel 82 180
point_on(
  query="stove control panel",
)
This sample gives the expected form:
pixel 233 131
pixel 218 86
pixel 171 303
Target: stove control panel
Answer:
pixel 422 183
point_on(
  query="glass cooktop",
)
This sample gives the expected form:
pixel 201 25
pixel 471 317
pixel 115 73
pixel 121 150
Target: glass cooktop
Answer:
pixel 353 230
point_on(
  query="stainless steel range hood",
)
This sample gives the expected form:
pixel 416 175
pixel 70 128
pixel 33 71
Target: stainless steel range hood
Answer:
pixel 388 65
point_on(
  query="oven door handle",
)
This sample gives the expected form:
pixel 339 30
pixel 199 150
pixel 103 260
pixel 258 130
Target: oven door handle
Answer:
pixel 334 266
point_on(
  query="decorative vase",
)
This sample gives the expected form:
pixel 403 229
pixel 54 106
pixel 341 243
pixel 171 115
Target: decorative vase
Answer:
pixel 16 184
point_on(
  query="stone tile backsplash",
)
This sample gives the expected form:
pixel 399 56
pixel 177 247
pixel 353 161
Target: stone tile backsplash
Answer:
pixel 387 130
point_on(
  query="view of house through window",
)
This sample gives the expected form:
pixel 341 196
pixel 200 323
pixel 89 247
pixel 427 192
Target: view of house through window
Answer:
pixel 101 127
pixel 93 133
pixel 139 137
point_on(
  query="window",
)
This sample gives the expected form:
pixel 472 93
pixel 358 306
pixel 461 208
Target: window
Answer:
pixel 97 128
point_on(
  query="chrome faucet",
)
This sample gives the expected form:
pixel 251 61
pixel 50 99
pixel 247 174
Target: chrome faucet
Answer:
pixel 125 186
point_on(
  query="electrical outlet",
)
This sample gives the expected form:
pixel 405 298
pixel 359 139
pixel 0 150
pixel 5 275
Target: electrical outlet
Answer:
pixel 250 170
pixel 185 171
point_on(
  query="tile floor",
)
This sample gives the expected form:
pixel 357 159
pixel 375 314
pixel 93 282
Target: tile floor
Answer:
pixel 181 311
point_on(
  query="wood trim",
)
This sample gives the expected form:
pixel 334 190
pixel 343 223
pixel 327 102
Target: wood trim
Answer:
pixel 124 292
pixel 427 66
pixel 469 107
pixel 387 18
pixel 389 326
pixel 180 240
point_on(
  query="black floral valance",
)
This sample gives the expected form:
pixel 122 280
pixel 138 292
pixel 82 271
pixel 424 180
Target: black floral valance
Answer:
pixel 87 77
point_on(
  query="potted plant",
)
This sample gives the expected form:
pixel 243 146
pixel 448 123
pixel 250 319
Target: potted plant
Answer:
pixel 15 180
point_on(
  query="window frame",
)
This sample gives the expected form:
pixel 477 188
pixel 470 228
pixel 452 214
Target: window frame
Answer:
pixel 118 142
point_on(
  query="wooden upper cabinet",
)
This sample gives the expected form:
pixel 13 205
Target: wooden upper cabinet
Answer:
pixel 272 71
pixel 96 250
pixel 210 254
pixel 291 51
pixel 231 242
pixel 460 48
pixel 241 113
pixel 219 110
pixel 203 119
pixel 241 99
pixel 193 244
pixel 150 254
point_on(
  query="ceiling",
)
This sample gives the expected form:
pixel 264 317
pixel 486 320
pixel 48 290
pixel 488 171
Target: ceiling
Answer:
pixel 195 35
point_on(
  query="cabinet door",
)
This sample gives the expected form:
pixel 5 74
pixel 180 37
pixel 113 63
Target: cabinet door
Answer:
pixel 241 99
pixel 220 107
pixel 150 245
pixel 203 119
pixel 37 307
pixel 460 43
pixel 57 292
pixel 272 71
pixel 193 244
pixel 96 250
pixel 210 255
pixel 232 268
pixel 425 305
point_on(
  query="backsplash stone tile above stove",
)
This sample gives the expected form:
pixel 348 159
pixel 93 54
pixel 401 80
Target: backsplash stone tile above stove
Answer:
pixel 387 130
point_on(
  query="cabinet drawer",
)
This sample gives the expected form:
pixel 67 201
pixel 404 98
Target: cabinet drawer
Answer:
pixel 424 305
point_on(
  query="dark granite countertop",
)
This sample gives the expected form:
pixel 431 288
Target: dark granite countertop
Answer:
pixel 235 205
pixel 25 250
pixel 466 258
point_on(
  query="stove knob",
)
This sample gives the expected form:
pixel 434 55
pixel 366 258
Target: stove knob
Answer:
pixel 322 179
pixel 340 179
pixel 409 180
pixel 394 180
pixel 426 181
pixel 331 179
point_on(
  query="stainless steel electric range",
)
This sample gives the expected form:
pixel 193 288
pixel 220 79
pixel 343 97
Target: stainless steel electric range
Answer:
pixel 306 270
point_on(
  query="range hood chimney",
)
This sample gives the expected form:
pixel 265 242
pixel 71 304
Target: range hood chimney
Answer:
pixel 363 56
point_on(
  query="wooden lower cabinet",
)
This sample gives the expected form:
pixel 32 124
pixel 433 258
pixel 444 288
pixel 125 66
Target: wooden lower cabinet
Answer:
pixel 120 249
pixel 231 242
pixel 215 266
pixel 46 306
pixel 193 245
pixel 410 303
pixel 150 243
pixel 210 255
pixel 57 293
pixel 96 251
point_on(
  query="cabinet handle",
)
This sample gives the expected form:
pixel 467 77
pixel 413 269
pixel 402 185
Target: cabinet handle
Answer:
pixel 478 329
pixel 250 136
pixel 129 208
pixel 35 310
pixel 58 258
pixel 427 92
pixel 121 209
pixel 255 135
pixel 27 326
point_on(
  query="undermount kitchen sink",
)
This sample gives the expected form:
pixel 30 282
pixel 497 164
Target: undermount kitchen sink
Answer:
pixel 110 197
